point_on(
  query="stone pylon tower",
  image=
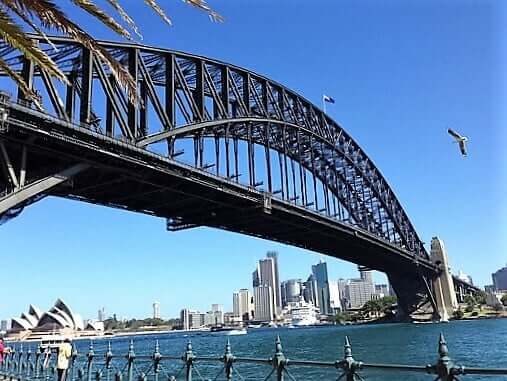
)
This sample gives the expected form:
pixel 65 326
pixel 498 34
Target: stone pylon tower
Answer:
pixel 443 285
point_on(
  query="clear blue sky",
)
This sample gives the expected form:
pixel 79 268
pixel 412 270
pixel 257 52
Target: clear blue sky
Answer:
pixel 400 73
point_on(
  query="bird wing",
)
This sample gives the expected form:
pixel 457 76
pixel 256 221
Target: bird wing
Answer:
pixel 454 134
pixel 463 148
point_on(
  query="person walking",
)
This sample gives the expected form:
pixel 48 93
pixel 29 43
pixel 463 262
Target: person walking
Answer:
pixel 64 354
pixel 2 351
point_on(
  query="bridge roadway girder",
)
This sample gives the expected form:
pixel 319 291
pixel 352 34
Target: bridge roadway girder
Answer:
pixel 320 190
pixel 124 176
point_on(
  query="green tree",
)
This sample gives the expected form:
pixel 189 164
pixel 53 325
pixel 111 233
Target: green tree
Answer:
pixel 504 299
pixel 470 300
pixel 480 297
pixel 458 314
pixel 498 307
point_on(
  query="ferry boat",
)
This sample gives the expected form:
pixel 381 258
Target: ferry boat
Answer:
pixel 229 331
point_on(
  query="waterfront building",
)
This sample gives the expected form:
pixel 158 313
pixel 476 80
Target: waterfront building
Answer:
pixel 334 296
pixel 500 279
pixel 290 291
pixel 342 289
pixel 310 291
pixel 218 314
pixel 101 314
pixel 276 281
pixel 464 277
pixel 359 291
pixel 4 325
pixel 242 305
pixel 494 298
pixel 58 320
pixel 264 304
pixel 319 272
pixel 156 310
pixel 191 319
pixel 266 275
pixel 382 289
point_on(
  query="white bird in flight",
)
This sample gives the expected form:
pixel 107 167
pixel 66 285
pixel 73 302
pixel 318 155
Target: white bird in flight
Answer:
pixel 461 140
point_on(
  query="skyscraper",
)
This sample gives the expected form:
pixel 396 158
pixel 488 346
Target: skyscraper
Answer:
pixel 101 315
pixel 265 275
pixel 310 291
pixel 264 303
pixel 242 305
pixel 500 279
pixel 276 282
pixel 156 310
pixel 290 291
pixel 319 272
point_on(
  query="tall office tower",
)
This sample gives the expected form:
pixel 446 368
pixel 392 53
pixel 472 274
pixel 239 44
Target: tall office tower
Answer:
pixel 366 274
pixel 156 310
pixel 218 313
pixel 319 272
pixel 101 315
pixel 264 303
pixel 242 305
pixel 290 291
pixel 334 296
pixel 185 319
pixel 342 289
pixel 276 282
pixel 265 275
pixel 310 293
pixel 4 325
pixel 359 291
pixel 500 279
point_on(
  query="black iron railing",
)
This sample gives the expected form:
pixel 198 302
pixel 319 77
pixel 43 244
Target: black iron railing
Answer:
pixel 21 365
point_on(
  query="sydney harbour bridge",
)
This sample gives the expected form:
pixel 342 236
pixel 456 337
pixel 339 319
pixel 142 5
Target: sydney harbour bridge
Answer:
pixel 208 144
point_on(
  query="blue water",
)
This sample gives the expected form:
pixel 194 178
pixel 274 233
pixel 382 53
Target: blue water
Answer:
pixel 471 343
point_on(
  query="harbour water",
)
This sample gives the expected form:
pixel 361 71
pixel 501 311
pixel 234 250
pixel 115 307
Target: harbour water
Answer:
pixel 481 343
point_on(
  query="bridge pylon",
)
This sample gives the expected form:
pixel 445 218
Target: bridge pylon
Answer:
pixel 443 284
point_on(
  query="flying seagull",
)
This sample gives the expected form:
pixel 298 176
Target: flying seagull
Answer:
pixel 461 140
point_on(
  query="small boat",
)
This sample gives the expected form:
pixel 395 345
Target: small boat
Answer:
pixel 229 331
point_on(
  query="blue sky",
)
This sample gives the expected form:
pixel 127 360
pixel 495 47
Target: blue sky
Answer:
pixel 400 72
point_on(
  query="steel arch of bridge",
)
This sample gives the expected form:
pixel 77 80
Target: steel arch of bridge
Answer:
pixel 197 97
pixel 204 126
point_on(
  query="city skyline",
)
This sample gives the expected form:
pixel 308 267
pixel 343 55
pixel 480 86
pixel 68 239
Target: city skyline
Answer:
pixel 384 105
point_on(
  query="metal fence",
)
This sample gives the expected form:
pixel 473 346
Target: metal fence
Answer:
pixel 40 364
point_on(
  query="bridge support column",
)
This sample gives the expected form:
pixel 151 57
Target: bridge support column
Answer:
pixel 443 285
pixel 20 189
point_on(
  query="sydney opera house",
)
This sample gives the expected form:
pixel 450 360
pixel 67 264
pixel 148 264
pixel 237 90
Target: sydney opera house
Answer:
pixel 58 320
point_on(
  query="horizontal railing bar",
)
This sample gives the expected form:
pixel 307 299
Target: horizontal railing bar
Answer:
pixel 485 371
pixel 414 368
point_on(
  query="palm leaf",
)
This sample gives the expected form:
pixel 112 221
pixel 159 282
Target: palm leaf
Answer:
pixel 203 5
pixel 29 93
pixel 16 37
pixel 98 13
pixel 153 5
pixel 125 16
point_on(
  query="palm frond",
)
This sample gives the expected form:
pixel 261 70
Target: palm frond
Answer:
pixel 125 16
pixel 95 11
pixel 16 37
pixel 29 93
pixel 153 5
pixel 203 5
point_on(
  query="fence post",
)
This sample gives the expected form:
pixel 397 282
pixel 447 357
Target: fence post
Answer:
pixel 38 353
pixel 130 361
pixel 188 358
pixel 348 364
pixel 228 360
pixel 89 357
pixel 28 364
pixel 279 360
pixel 156 361
pixel 445 367
pixel 20 362
pixel 108 357
pixel 73 358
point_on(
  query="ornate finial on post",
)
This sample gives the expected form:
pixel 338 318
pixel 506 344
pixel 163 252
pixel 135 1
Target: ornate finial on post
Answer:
pixel 279 360
pixel 228 360
pixel 131 355
pixel 189 358
pixel 109 356
pixel 156 360
pixel 445 367
pixel 348 364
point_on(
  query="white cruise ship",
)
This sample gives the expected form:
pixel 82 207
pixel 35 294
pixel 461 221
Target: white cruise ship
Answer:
pixel 303 314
